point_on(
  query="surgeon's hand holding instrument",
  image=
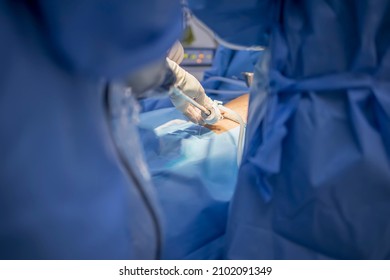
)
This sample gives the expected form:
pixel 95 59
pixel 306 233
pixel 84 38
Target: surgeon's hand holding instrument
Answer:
pixel 217 113
pixel 189 97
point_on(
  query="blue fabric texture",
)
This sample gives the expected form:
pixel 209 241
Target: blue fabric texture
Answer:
pixel 248 23
pixel 315 177
pixel 65 193
pixel 194 172
pixel 155 103
pixel 230 64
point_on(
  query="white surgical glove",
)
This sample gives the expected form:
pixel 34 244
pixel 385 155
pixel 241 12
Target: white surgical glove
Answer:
pixel 191 87
pixel 176 53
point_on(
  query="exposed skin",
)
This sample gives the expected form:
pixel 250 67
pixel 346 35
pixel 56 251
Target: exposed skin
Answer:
pixel 240 106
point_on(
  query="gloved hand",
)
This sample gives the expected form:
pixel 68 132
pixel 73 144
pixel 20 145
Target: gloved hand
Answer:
pixel 191 87
pixel 176 53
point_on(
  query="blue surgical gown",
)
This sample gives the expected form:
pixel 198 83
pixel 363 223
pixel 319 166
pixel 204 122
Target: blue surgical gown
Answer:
pixel 65 190
pixel 229 64
pixel 315 178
